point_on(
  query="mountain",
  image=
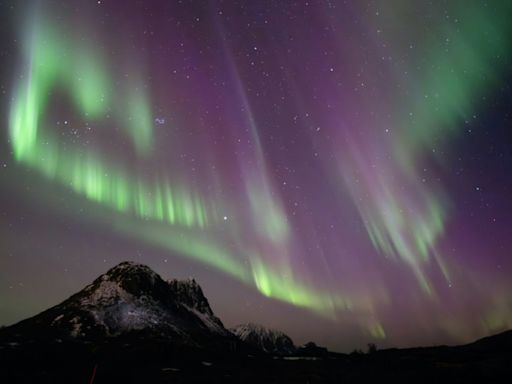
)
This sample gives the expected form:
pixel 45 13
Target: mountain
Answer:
pixel 132 326
pixel 129 299
pixel 268 340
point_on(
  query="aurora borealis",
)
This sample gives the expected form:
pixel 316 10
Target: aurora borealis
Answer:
pixel 338 170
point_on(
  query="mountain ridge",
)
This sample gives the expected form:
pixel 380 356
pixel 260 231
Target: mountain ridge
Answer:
pixel 130 325
pixel 130 297
pixel 268 340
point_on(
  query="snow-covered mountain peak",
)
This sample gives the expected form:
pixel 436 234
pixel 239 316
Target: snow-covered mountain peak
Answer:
pixel 127 279
pixel 131 297
pixel 129 270
pixel 266 339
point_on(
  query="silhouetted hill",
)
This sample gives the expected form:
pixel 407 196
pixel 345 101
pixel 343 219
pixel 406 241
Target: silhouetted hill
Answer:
pixel 501 342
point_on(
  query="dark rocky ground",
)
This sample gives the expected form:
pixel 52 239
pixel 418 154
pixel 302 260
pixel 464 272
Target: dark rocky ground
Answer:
pixel 488 360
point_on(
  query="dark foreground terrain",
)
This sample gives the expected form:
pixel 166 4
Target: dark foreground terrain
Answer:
pixel 487 360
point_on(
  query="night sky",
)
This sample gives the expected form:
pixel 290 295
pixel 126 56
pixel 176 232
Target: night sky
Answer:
pixel 338 170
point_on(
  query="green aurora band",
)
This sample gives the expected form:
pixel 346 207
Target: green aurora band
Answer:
pixel 153 212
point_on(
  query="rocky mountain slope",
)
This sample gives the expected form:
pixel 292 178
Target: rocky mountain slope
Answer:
pixel 268 340
pixel 128 299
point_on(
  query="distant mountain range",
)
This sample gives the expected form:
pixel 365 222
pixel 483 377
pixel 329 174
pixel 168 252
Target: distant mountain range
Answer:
pixel 131 326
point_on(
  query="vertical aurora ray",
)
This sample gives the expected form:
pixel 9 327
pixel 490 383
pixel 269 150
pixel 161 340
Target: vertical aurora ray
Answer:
pixel 139 119
pixel 269 218
pixel 404 215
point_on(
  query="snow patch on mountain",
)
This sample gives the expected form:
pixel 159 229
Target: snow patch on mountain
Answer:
pixel 106 293
pixel 268 340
